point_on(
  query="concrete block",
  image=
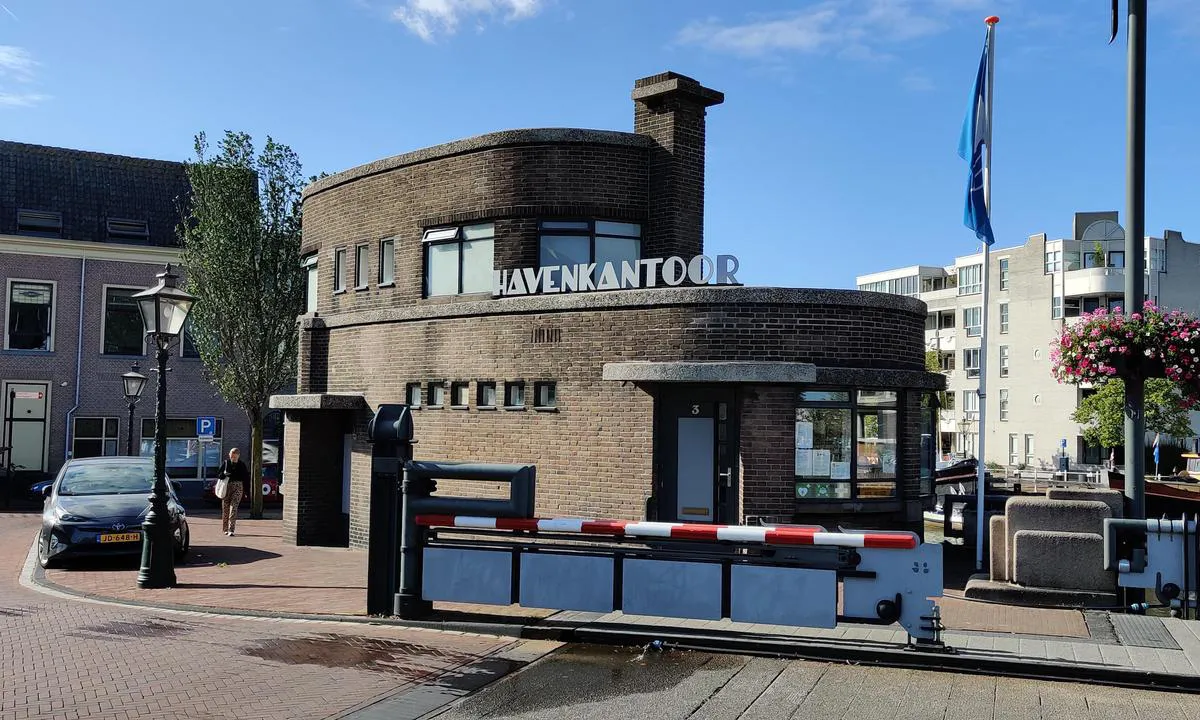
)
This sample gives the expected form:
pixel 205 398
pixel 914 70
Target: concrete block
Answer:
pixel 1115 499
pixel 997 533
pixel 1062 560
pixel 1036 513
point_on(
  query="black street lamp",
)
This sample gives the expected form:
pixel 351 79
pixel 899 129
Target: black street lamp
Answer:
pixel 134 382
pixel 164 309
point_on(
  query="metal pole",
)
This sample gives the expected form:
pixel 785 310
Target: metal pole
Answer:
pixel 129 440
pixel 158 566
pixel 1135 254
pixel 981 469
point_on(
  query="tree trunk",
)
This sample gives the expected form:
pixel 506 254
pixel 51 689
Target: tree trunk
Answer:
pixel 256 477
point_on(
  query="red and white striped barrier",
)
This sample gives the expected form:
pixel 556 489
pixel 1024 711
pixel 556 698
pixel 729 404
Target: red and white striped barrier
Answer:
pixel 680 531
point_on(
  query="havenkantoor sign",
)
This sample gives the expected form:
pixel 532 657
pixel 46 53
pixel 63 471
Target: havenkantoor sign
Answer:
pixel 628 274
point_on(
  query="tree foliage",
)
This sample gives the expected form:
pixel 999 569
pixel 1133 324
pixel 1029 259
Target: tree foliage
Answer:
pixel 1102 414
pixel 241 250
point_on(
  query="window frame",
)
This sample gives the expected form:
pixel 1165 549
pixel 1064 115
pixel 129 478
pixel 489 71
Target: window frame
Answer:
pixel 591 233
pixel 430 387
pixel 855 407
pixel 968 368
pixel 975 286
pixel 1003 273
pixel 311 265
pixel 33 229
pixel 1003 405
pixel 969 329
pixel 339 270
pixel 537 394
pixel 480 401
pixel 455 387
pixel 103 438
pixel 1056 307
pixel 362 264
pixel 1030 450
pixel 1014 449
pixel 459 238
pixel 1052 261
pixel 183 343
pixel 408 395
pixel 8 305
pixel 1004 318
pixel 1005 355
pixel 104 321
pixel 387 249
pixel 514 385
pixel 970 409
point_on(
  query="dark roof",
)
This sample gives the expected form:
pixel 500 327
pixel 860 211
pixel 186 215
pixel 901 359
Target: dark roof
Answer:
pixel 88 189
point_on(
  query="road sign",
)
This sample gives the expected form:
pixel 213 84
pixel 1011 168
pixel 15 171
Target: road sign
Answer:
pixel 27 395
pixel 206 427
pixel 1064 444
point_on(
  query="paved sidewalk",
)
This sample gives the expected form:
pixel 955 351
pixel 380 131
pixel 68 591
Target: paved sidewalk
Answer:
pixel 255 571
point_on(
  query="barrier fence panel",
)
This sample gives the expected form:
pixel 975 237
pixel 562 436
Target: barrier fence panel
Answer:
pixel 1162 555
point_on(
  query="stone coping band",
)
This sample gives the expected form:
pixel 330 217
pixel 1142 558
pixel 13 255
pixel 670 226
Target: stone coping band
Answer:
pixel 731 295
pixel 766 535
pixel 707 372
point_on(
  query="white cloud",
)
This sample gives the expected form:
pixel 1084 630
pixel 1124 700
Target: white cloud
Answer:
pixel 917 82
pixel 852 28
pixel 430 19
pixel 17 66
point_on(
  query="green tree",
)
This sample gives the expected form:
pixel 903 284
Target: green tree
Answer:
pixel 241 258
pixel 1102 414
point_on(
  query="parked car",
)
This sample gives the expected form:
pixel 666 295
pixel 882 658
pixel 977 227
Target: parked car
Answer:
pixel 272 492
pixel 96 506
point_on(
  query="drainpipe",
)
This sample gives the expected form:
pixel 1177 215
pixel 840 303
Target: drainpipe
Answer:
pixel 78 357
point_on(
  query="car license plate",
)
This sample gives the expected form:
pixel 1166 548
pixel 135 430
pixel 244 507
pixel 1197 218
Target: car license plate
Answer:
pixel 120 537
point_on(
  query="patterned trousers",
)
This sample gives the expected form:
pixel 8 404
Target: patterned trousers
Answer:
pixel 229 507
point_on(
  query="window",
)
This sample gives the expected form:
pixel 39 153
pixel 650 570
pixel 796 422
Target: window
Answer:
pixel 339 271
pixel 1003 318
pixel 1053 261
pixel 1116 258
pixel 970 280
pixel 973 321
pixel 1056 308
pixel 971 404
pixel 387 261
pixel 30 324
pixel 948 397
pixel 1158 259
pixel 1029 454
pixel 486 395
pixel 437 394
pixel 309 263
pixel 184 449
pixel 545 395
pixel 459 260
pixel 1092 259
pixel 123 331
pixel 514 395
pixel 1003 361
pixel 971 362
pixel 187 347
pixel 38 222
pixel 579 242
pixel 946 361
pixel 128 230
pixel 1003 273
pixel 460 395
pixel 947 320
pixel 846 444
pixel 1003 406
pixel 1014 450
pixel 910 285
pixel 360 267
pixel 94 437
pixel 412 395
pixel 1071 307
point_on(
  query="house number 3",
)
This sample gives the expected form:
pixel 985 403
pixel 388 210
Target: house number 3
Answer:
pixel 695 409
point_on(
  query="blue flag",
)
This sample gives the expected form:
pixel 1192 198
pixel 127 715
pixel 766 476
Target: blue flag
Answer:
pixel 977 132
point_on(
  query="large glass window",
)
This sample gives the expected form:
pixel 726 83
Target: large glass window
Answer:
pixel 123 330
pixel 970 280
pixel 94 437
pixel 910 285
pixel 971 404
pixel 971 362
pixel 579 242
pixel 30 323
pixel 185 452
pixel 459 260
pixel 973 321
pixel 309 263
pixel 846 444
pixel 1053 261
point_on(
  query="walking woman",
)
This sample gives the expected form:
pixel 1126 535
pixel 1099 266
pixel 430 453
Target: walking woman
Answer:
pixel 238 477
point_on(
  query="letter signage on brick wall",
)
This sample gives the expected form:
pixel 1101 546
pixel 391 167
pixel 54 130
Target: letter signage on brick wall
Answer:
pixel 629 274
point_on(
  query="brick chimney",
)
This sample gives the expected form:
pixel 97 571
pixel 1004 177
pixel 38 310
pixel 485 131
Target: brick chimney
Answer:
pixel 670 108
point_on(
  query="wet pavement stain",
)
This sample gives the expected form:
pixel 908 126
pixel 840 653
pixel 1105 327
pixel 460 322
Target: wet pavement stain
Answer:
pixel 135 630
pixel 408 660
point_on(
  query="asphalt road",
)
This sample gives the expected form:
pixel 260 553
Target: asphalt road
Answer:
pixel 606 683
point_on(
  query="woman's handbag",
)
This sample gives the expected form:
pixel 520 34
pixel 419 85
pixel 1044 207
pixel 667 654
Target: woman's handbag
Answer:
pixel 222 488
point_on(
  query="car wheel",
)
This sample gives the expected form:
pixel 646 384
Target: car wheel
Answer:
pixel 185 543
pixel 44 558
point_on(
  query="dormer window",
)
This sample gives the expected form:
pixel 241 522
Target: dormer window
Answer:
pixel 128 230
pixel 39 222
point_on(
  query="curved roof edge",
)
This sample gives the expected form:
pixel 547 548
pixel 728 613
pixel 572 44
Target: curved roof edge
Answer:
pixel 503 138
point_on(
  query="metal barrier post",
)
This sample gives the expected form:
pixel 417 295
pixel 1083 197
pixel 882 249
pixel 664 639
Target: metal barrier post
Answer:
pixel 391 430
pixel 407 602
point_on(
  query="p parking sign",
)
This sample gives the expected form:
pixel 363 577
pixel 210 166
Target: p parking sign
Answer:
pixel 206 427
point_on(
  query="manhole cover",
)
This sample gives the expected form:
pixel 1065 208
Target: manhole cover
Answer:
pixel 1140 631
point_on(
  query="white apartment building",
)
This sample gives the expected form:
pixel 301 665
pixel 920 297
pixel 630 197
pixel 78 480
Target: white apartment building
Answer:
pixel 1034 289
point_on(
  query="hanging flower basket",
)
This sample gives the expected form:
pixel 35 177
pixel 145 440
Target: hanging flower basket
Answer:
pixel 1147 344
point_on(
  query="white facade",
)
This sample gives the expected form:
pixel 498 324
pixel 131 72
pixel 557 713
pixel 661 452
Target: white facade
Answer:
pixel 1035 289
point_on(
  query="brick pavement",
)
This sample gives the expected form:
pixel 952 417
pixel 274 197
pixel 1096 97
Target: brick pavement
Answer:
pixel 63 658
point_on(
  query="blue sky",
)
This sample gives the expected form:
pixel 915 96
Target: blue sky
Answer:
pixel 833 155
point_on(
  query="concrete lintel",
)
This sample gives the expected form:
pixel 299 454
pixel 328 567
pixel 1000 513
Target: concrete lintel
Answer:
pixel 319 401
pixel 711 372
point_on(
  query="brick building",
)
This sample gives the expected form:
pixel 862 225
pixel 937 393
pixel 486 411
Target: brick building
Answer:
pixel 540 296
pixel 80 232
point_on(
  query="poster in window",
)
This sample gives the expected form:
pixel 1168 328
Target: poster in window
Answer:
pixel 839 470
pixel 804 461
pixel 820 463
pixel 804 434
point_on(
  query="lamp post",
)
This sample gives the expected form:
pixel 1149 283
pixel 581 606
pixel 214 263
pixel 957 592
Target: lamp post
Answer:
pixel 134 382
pixel 164 309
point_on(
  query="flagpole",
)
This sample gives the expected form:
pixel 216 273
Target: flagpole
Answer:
pixel 981 460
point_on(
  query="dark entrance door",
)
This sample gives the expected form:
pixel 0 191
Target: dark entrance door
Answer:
pixel 696 437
